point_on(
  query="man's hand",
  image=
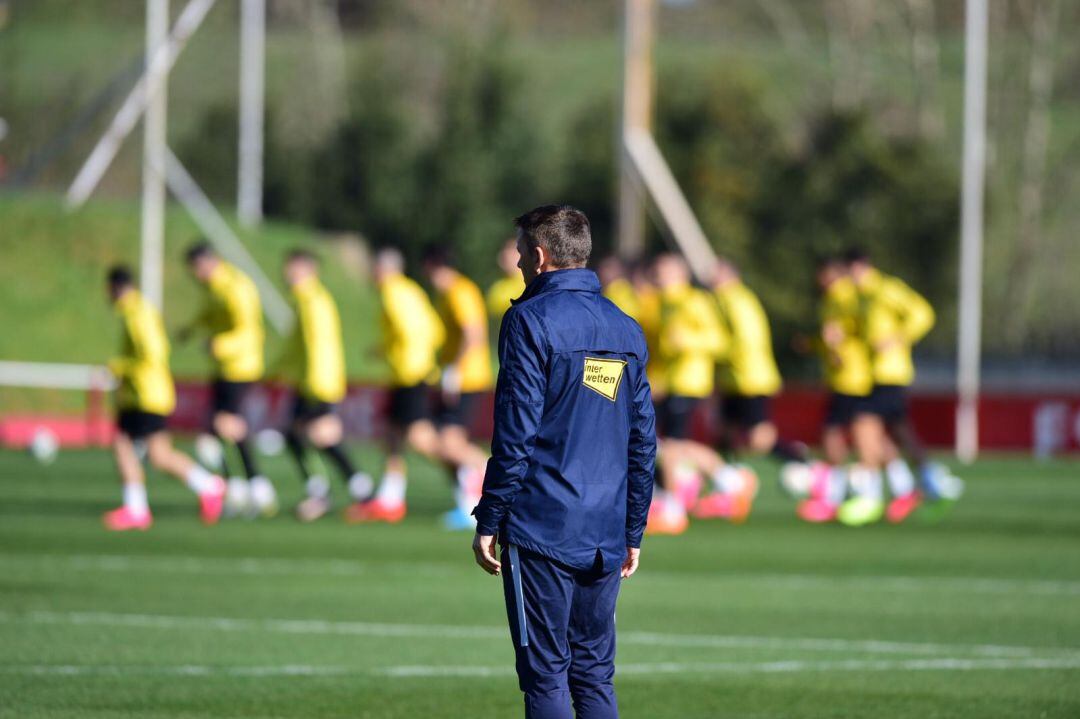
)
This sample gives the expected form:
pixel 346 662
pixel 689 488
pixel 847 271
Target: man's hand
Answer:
pixel 483 547
pixel 630 565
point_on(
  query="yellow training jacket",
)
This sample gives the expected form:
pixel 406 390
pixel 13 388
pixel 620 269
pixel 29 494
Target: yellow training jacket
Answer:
pixel 412 332
pixel 622 293
pixel 232 313
pixel 749 368
pixel 847 362
pixel 690 341
pixel 894 317
pixel 142 367
pixel 315 356
pixel 501 292
pixel 460 306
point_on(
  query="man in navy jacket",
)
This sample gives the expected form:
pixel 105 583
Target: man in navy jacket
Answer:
pixel 569 482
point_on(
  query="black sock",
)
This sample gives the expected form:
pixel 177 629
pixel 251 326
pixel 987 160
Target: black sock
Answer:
pixel 247 457
pixel 298 452
pixel 789 451
pixel 341 460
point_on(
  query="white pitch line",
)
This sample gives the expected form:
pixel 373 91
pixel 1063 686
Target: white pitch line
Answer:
pixel 256 566
pixel 446 631
pixel 426 671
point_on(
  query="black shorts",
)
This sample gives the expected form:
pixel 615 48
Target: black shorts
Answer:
pixel 409 404
pixel 843 408
pixel 889 401
pixel 306 409
pixel 138 424
pixel 745 411
pixel 458 409
pixel 673 415
pixel 227 396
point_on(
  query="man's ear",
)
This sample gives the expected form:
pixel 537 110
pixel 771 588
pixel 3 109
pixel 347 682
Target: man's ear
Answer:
pixel 541 258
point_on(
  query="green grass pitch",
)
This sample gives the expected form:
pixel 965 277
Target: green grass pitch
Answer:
pixel 978 616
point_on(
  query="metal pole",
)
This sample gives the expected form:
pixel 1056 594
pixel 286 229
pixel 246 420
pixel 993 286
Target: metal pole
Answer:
pixel 637 100
pixel 971 232
pixel 153 184
pixel 252 82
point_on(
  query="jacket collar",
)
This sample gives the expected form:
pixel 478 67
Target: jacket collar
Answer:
pixel 577 279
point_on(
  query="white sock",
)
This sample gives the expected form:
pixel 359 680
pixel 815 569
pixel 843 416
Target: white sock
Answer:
pixel 727 479
pixel 392 489
pixel 262 491
pixel 317 487
pixel 200 481
pixel 673 508
pixel 135 499
pixel 836 485
pixel 360 486
pixel 867 483
pixel 901 480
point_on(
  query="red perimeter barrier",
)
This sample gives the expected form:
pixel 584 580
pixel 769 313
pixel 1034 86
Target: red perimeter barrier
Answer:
pixel 1042 422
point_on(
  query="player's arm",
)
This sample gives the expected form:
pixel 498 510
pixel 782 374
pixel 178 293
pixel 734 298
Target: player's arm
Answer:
pixel 243 309
pixel 918 318
pixel 640 465
pixel 519 405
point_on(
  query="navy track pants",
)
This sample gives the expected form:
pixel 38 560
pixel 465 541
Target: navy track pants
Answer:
pixel 562 621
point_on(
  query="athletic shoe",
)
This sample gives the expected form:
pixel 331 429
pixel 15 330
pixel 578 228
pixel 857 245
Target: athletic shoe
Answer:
pixel 901 508
pixel 816 511
pixel 934 512
pixel 313 508
pixel 212 503
pixel 264 501
pixel 688 488
pixel 715 505
pixel 458 520
pixel 662 522
pixel 859 511
pixel 238 498
pixel 375 510
pixel 124 520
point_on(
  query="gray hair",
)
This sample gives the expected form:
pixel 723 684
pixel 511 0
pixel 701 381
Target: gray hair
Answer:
pixel 563 231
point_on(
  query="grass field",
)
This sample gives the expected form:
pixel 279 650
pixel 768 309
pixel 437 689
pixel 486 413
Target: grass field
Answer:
pixel 978 616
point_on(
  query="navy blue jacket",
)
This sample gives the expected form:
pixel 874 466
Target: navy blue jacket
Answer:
pixel 571 469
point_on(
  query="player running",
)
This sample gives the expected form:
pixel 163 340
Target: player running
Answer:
pixel 846 364
pixel 690 339
pixel 509 286
pixel 749 376
pixel 232 317
pixel 144 400
pixel 893 318
pixel 412 334
pixel 466 374
pixel 314 363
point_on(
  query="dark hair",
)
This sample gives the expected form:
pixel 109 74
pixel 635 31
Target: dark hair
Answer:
pixel 120 276
pixel 198 250
pixel 562 230
pixel 856 254
pixel 302 255
pixel 438 256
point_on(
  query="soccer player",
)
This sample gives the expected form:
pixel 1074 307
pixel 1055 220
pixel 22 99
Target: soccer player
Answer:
pixel 232 316
pixel 466 374
pixel 895 317
pixel 690 340
pixel 509 286
pixel 144 399
pixel 846 365
pixel 314 363
pixel 748 373
pixel 412 334
pixel 616 286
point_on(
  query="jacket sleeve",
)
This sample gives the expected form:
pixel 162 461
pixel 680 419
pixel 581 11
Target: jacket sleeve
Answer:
pixel 519 406
pixel 642 458
pixel 246 314
pixel 918 318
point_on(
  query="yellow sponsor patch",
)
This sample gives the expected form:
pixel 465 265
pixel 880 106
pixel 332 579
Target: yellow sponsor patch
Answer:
pixel 604 376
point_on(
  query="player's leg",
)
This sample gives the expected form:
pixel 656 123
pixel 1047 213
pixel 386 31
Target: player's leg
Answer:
pixel 326 433
pixel 316 502
pixel 465 459
pixel 209 487
pixel 134 513
pixel 867 505
pixel 592 643
pixel 667 514
pixel 407 413
pixel 829 479
pixel 251 493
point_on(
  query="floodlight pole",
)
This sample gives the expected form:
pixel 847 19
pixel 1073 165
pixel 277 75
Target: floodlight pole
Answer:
pixel 153 184
pixel 637 100
pixel 252 83
pixel 971 232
